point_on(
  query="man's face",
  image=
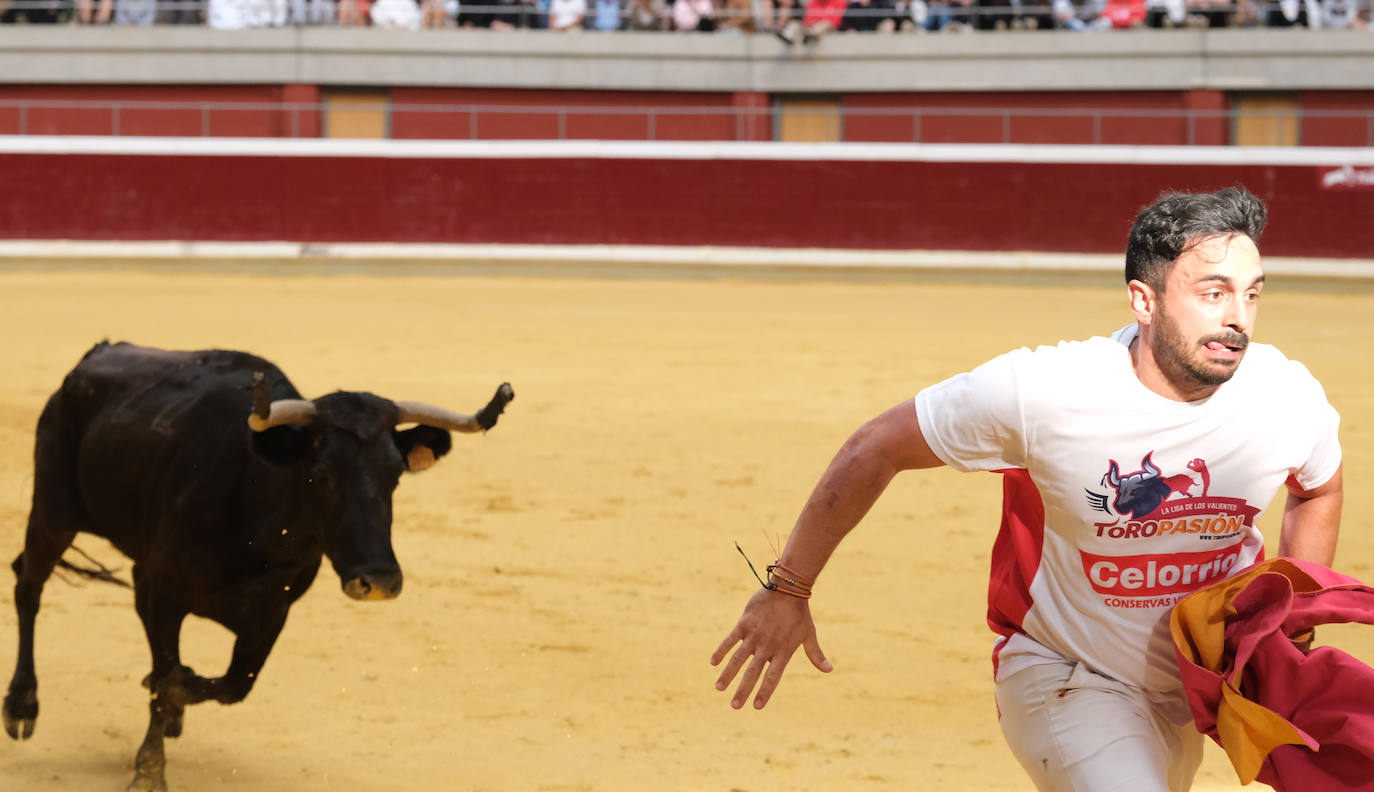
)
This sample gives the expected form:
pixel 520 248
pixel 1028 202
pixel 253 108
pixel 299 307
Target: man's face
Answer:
pixel 1206 313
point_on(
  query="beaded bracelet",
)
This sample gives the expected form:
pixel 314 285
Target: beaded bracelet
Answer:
pixel 801 589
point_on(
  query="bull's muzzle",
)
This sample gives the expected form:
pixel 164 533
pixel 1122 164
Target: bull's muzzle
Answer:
pixel 375 585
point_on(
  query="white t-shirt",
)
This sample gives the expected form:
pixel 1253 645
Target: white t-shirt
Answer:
pixel 565 12
pixel 1117 501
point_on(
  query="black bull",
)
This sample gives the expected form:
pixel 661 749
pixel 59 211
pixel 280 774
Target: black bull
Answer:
pixel 226 489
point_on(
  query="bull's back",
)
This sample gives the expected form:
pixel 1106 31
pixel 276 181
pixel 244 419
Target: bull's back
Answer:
pixel 152 430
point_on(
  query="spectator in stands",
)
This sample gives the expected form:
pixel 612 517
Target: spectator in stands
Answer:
pixel 1165 13
pixel 1246 14
pixel 821 17
pixel 439 13
pixel 1125 14
pixel 869 16
pixel 352 13
pixel 1081 15
pixel 606 15
pixel 239 14
pixel 691 15
pixel 101 14
pixel 948 15
pixel 993 14
pixel 735 16
pixel 49 14
pixel 567 15
pixel 1335 15
pixel 395 14
pixel 189 12
pixel 536 14
pixel 780 16
pixel 648 15
pixel 1209 13
pixel 139 13
pixel 818 18
pixel 494 15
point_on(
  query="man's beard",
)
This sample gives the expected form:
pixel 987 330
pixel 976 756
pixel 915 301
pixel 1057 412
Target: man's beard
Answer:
pixel 1179 359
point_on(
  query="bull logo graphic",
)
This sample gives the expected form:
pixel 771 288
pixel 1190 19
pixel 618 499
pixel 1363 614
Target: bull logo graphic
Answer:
pixel 1141 492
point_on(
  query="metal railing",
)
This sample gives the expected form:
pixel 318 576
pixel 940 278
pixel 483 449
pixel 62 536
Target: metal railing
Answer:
pixel 1096 126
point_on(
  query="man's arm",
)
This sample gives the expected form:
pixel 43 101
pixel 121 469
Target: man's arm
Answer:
pixel 1311 520
pixel 774 624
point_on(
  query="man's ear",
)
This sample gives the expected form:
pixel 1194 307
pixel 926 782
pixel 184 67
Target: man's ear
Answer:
pixel 283 446
pixel 422 446
pixel 1144 301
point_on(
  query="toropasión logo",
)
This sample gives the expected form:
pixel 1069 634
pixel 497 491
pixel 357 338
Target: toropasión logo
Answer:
pixel 1148 503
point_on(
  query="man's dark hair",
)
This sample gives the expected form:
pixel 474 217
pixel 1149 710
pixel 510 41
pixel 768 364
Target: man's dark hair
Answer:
pixel 1176 221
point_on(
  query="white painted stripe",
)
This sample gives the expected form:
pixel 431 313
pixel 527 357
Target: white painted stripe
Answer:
pixel 37 251
pixel 720 150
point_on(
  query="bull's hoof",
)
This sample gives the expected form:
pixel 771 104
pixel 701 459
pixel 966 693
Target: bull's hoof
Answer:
pixel 172 728
pixel 21 711
pixel 142 783
pixel 150 767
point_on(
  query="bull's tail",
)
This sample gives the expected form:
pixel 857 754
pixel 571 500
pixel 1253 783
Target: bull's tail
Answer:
pixel 97 570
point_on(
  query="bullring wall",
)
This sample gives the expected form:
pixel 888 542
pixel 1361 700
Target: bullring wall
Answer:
pixel 830 196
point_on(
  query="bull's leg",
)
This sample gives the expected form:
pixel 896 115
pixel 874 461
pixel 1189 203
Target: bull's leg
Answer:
pixel 251 648
pixel 162 617
pixel 55 518
pixel 173 686
pixel 42 549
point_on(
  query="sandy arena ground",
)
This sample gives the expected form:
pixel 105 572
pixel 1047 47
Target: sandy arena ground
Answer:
pixel 569 573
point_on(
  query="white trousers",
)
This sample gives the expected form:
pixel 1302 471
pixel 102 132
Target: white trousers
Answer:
pixel 1077 731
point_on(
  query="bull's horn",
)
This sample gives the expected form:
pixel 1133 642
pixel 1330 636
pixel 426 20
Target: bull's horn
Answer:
pixel 283 411
pixel 429 415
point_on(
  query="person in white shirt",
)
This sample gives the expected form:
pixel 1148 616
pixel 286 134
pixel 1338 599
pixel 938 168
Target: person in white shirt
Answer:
pixel 567 15
pixel 1135 468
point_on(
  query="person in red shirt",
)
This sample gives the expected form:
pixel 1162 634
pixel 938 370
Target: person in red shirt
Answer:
pixel 820 17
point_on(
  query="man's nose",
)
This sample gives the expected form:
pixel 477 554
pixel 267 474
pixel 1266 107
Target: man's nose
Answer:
pixel 1238 315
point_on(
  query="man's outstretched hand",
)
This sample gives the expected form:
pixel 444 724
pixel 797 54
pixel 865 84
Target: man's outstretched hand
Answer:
pixel 768 634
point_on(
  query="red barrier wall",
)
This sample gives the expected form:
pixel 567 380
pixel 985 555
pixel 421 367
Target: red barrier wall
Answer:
pixel 676 116
pixel 1143 117
pixel 171 110
pixel 1041 206
pixel 1331 118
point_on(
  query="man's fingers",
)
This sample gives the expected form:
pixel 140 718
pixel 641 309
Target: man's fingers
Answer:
pixel 812 645
pixel 747 682
pixel 737 661
pixel 770 681
pixel 730 640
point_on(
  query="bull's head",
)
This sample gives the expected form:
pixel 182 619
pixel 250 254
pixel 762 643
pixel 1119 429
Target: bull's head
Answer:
pixel 1137 493
pixel 352 455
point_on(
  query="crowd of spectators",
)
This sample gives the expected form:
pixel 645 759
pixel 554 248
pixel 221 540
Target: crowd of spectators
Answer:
pixel 792 21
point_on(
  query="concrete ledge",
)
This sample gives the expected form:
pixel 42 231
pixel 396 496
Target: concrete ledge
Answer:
pixel 620 261
pixel 1043 60
pixel 1323 156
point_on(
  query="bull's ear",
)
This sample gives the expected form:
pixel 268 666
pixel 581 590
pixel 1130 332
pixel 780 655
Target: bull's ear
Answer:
pixel 281 445
pixel 422 446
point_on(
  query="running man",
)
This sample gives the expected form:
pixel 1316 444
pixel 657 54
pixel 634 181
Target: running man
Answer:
pixel 1134 470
